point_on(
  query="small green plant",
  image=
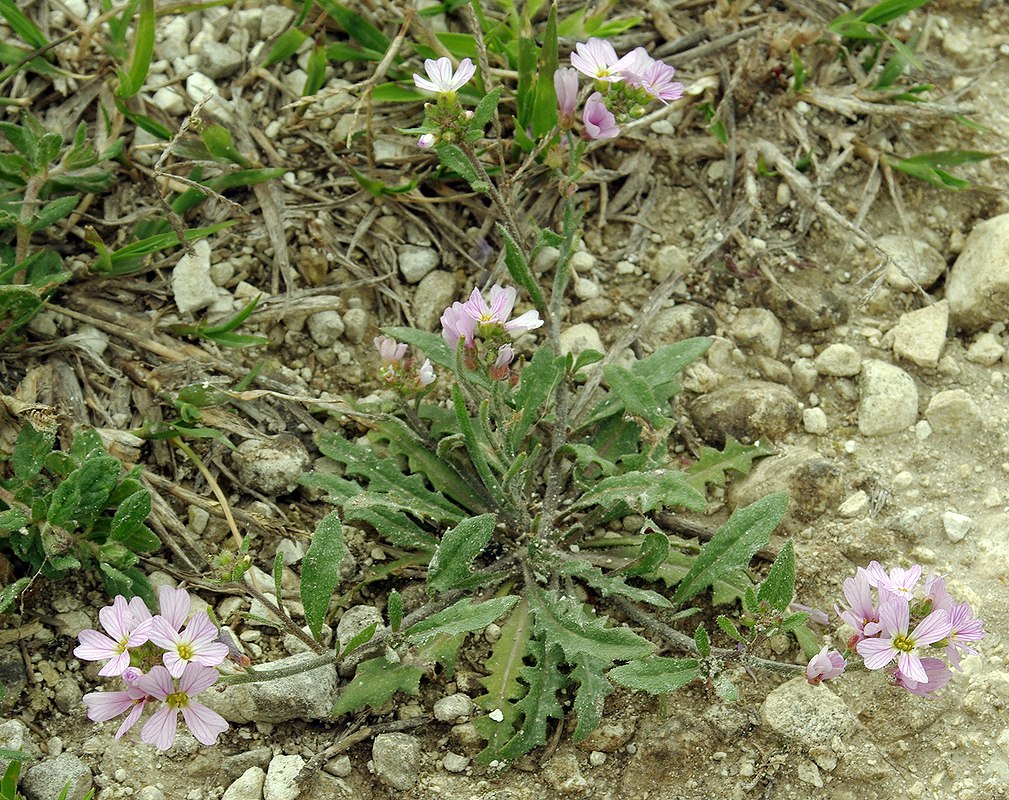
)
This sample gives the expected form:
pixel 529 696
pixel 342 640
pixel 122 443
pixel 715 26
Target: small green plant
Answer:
pixel 61 511
pixel 42 180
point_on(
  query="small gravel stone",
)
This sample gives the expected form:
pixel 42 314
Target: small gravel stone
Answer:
pixel 218 60
pixel 814 420
pixel 453 762
pixel 669 259
pixel 454 707
pixel 586 289
pixel 396 758
pixel 838 360
pixel 986 349
pixel 274 20
pixel 435 292
pixel 46 780
pixel 954 413
pixel 192 286
pixel 280 783
pixel 889 399
pixel 169 101
pixel 325 327
pixel 597 758
pixel 173 38
pixel 582 262
pixel 804 374
pixel 247 787
pixel 545 259
pixel 416 262
pixel 355 321
pixel 807 715
pixel 563 774
pixel 680 322
pixel 67 695
pixel 154 793
pixel 978 286
pixel 957 526
pixel 918 260
pixel 806 301
pixel 14 735
pixel 339 766
pixel 198 86
pixel 579 338
pixel 757 330
pixel 855 505
pixel 747 410
pixel 272 466
pixel 920 335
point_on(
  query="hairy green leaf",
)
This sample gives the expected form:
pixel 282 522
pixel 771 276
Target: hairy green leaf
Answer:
pixel 711 467
pixel 462 617
pixel 577 629
pixel 375 682
pixel 644 491
pixel 450 564
pixel 732 547
pixel 656 675
pixel 778 587
pixel 320 570
pixel 654 552
pixel 593 689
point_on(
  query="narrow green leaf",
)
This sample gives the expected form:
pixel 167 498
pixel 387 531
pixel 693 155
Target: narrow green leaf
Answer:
pixel 394 93
pixel 593 689
pixel 636 395
pixel 13 519
pixel 609 585
pixel 320 570
pixel 519 269
pixel 450 566
pixel 778 587
pixel 287 45
pixel 728 627
pixel 485 109
pixel 703 641
pixel 132 81
pixel 394 609
pixel 654 552
pixel 22 26
pixel 452 157
pixel 220 144
pixel 732 547
pixel 11 592
pixel 359 639
pixel 656 675
pixel 54 210
pixel 355 26
pixel 462 617
pixel 375 682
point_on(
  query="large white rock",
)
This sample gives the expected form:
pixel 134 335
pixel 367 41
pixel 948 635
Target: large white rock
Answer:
pixel 807 715
pixel 920 335
pixel 889 399
pixel 978 287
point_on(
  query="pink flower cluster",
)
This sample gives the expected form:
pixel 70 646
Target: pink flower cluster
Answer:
pixel 902 627
pixel 164 663
pixel 396 367
pixel 623 85
pixel 464 323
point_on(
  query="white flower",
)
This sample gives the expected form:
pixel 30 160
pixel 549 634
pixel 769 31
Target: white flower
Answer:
pixel 440 77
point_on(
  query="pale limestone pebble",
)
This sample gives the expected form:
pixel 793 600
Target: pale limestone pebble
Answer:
pixel 454 762
pixel 563 774
pixel 806 715
pixel 355 324
pixel 274 20
pixel 595 309
pixel 920 335
pixel 155 793
pixel 670 258
pixel 339 766
pixel 986 350
pixel 306 695
pixel 888 399
pixel 325 327
pixel 978 285
pixel 248 786
pixel 954 413
pixel 808 772
pixel 295 80
pixel 700 378
pixel 578 338
pixel 455 707
pixel 838 360
pixel 14 734
pixel 218 60
pixel 814 420
pixel 806 301
pixel 173 38
pixel 913 260
pixel 586 289
pixel 415 262
pixel 294 644
pixel 192 286
pixel 679 322
pixel 355 620
pixel 200 87
pixel 272 466
pixel 804 375
pixel 170 101
pixel 993 560
pixel 956 526
pixel 855 505
pixel 773 370
pixel 281 778
pixel 814 484
pixel 436 291
pixel 545 259
pixel 45 780
pixel 395 758
pixel 757 330
pixel 582 262
pixel 747 410
pixel 609 737
pixel 922 430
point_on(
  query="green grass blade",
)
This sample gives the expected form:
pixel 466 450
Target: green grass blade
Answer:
pixel 132 80
pixel 22 26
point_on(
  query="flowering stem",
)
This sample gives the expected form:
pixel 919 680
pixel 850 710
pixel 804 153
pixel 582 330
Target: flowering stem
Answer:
pixel 258 676
pixel 286 622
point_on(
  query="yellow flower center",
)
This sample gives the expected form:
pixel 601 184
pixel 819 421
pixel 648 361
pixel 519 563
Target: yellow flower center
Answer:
pixel 177 700
pixel 904 642
pixel 185 651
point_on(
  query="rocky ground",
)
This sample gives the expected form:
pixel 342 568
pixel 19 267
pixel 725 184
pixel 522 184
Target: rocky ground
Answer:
pixel 885 402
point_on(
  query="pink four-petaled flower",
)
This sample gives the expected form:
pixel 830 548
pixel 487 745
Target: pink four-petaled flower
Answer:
pixel 597 59
pixel 825 665
pixel 125 627
pixel 598 119
pixel 103 706
pixel 205 724
pixel 196 644
pixel 895 641
pixel 441 78
pixel 462 321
